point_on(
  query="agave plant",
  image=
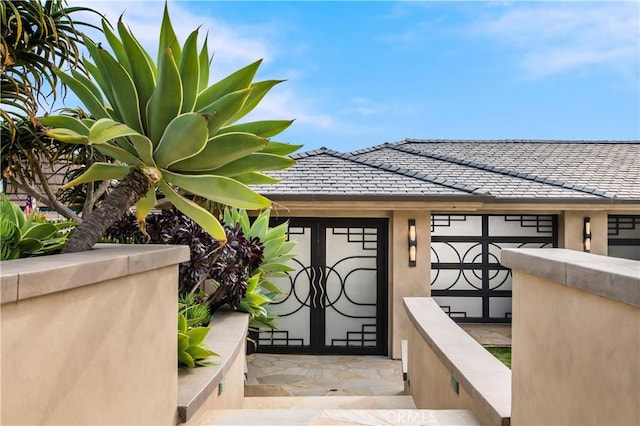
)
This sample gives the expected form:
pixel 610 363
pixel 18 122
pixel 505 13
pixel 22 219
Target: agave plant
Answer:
pixel 22 236
pixel 168 130
pixel 192 351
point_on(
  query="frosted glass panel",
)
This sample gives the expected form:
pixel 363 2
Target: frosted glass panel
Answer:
pixel 456 279
pixel 627 226
pixel 455 252
pixel 293 308
pixel 460 307
pixel 624 236
pixel 522 226
pixel 351 287
pixel 499 279
pixel 626 252
pixel 500 307
pixel 456 225
pixel 494 248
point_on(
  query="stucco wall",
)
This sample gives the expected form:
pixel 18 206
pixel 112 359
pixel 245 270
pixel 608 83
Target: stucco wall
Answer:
pixel 571 231
pixel 576 354
pixel 232 396
pixel 440 351
pixel 407 281
pixel 219 386
pixel 79 352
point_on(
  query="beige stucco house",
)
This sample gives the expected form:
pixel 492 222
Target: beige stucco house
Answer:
pixel 429 218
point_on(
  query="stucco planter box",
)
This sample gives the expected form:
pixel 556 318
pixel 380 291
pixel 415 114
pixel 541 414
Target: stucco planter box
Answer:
pixel 204 390
pixel 90 338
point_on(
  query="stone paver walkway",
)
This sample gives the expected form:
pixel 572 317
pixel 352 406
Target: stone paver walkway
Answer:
pixel 322 375
pixel 489 334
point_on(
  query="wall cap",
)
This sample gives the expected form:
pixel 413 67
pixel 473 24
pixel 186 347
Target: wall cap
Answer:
pixel 226 338
pixel 483 376
pixel 611 277
pixel 37 276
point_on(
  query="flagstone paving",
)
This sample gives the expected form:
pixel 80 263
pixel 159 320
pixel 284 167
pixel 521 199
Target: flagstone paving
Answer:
pixel 489 334
pixel 343 375
pixel 322 375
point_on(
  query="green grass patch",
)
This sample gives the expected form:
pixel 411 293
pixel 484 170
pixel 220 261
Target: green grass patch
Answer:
pixel 502 353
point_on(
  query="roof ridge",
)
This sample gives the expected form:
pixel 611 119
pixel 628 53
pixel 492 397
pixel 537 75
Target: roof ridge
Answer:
pixel 574 141
pixel 370 148
pixel 409 173
pixel 526 176
pixel 312 153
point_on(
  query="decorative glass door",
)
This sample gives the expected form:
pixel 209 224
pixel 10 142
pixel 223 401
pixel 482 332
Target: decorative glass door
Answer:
pixel 336 297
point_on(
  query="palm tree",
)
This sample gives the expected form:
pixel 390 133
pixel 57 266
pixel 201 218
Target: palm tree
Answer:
pixel 35 38
pixel 169 131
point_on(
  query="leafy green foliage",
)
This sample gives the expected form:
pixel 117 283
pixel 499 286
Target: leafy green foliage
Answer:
pixel 194 308
pixel 261 290
pixel 228 265
pixel 192 351
pixel 165 119
pixel 35 38
pixel 22 237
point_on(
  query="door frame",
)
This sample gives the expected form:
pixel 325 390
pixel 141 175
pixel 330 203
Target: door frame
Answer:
pixel 319 227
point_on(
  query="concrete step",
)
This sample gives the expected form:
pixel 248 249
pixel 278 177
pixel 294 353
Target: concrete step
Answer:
pixel 302 417
pixel 326 402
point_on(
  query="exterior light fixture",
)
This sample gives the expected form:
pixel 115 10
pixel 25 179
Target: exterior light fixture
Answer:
pixel 587 234
pixel 413 242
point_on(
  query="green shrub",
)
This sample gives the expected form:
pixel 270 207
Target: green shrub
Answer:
pixel 193 317
pixel 22 236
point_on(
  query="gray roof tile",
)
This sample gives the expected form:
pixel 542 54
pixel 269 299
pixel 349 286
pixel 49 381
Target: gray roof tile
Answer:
pixel 513 169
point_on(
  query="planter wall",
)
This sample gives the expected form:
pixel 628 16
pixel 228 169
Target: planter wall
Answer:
pixel 448 369
pixel 576 338
pixel 90 338
pixel 203 390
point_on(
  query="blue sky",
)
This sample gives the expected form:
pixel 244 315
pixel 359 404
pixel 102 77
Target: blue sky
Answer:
pixel 363 73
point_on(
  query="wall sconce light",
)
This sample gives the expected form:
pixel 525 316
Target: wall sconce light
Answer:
pixel 413 242
pixel 587 234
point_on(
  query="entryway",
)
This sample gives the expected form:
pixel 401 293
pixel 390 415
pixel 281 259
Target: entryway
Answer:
pixel 336 297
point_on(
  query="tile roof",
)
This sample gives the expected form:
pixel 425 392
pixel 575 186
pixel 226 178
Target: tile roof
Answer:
pixel 500 170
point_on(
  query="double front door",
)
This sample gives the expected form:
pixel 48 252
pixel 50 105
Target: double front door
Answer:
pixel 335 299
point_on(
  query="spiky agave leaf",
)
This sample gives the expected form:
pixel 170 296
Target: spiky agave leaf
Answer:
pixel 164 118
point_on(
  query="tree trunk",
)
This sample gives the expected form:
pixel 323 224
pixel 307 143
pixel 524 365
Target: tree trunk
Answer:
pixel 219 297
pixel 132 188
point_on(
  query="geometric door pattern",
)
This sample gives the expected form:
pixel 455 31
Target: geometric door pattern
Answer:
pixel 467 280
pixel 335 298
pixel 624 236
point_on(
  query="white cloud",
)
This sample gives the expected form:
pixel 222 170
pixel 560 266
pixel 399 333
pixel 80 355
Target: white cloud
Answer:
pixel 365 107
pixel 285 104
pixel 557 37
pixel 362 106
pixel 233 47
